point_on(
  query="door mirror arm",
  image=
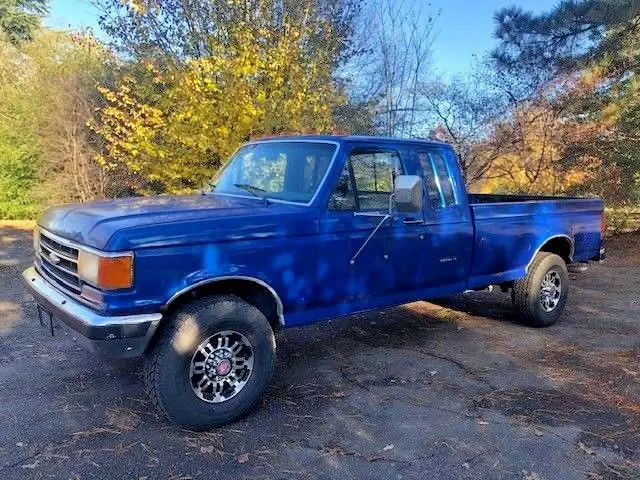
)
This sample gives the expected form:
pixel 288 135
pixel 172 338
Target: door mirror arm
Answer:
pixel 406 198
pixel 385 217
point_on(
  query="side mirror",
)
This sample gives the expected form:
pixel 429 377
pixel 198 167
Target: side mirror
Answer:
pixel 408 194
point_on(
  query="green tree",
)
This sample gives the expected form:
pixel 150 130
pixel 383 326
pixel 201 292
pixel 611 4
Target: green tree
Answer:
pixel 20 18
pixel 19 148
pixel 48 93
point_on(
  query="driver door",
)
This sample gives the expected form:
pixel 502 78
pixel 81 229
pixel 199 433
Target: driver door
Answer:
pixel 357 206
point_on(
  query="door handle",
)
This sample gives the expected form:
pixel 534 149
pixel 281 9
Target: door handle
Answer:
pixel 410 221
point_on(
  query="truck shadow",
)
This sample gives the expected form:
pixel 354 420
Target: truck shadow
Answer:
pixel 14 244
pixel 495 305
pixel 14 255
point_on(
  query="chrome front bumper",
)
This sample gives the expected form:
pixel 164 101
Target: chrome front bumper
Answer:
pixel 114 336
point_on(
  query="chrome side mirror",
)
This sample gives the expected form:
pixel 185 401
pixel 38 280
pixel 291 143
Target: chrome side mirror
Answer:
pixel 407 194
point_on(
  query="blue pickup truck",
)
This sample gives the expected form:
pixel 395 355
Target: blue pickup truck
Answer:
pixel 292 231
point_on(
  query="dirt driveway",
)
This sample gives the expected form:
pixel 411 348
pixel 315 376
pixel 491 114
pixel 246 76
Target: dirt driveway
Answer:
pixel 455 390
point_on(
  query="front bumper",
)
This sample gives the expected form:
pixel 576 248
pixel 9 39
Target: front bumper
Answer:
pixel 124 336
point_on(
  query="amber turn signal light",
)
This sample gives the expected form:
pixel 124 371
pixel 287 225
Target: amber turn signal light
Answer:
pixel 106 272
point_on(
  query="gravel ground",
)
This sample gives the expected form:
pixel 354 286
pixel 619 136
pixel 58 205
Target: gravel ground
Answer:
pixel 449 390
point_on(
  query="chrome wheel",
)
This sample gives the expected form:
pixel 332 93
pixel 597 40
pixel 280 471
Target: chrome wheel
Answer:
pixel 550 291
pixel 221 366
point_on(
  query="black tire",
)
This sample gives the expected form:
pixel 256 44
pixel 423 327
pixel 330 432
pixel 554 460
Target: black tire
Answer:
pixel 167 367
pixel 527 291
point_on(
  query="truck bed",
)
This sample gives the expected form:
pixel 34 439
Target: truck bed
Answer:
pixel 510 229
pixel 475 198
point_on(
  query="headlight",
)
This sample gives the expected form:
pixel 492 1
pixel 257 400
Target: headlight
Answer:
pixel 107 272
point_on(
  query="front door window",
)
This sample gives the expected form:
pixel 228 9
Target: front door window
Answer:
pixel 366 181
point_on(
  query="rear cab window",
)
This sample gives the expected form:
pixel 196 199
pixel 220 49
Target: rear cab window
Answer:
pixel 437 179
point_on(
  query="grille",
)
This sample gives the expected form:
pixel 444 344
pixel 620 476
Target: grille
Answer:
pixel 59 261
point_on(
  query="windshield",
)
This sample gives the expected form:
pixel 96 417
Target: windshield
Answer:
pixel 290 171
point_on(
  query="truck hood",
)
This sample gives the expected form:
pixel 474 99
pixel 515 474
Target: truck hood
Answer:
pixel 131 223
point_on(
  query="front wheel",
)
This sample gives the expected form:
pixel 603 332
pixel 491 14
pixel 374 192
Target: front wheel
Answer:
pixel 540 296
pixel 212 362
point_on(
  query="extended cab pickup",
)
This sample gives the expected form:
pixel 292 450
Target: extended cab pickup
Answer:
pixel 295 230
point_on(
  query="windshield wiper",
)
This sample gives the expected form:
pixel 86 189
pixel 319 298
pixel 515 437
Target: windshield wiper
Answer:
pixel 253 190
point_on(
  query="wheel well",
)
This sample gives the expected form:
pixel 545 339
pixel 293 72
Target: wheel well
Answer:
pixel 258 295
pixel 561 246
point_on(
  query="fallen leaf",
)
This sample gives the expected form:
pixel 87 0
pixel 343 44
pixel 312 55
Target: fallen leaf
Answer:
pixel 31 465
pixel 585 449
pixel 538 433
pixel 333 451
pixel 122 418
pixel 244 458
pixel 526 475
pixel 388 447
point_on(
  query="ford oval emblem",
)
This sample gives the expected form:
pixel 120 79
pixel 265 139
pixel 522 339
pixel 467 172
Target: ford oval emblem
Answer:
pixel 55 259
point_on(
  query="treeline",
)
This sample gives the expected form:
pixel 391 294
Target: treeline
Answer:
pixel 181 83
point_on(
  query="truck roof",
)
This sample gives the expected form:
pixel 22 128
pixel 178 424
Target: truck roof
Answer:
pixel 353 138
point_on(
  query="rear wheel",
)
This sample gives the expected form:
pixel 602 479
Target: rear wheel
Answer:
pixel 541 295
pixel 212 363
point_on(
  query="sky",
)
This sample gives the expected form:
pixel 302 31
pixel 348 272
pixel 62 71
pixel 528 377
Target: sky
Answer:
pixel 464 27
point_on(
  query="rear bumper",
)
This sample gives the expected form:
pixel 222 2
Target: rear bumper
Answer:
pixel 114 336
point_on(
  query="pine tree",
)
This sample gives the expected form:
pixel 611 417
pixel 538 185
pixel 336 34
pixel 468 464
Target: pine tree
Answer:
pixel 19 18
pixel 594 46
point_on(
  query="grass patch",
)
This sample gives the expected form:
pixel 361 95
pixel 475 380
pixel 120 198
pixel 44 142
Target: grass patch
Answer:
pixel 19 224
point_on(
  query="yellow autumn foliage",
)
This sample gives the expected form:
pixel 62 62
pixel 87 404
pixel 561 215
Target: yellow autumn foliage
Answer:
pixel 531 161
pixel 263 82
